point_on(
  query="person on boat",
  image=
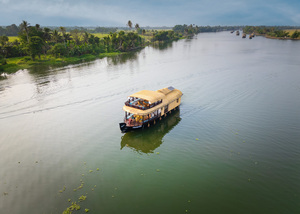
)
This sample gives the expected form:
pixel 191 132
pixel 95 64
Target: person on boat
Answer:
pixel 129 121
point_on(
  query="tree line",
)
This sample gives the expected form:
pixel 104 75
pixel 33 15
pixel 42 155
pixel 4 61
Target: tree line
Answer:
pixel 272 31
pixel 35 41
pixel 11 30
pixel 195 29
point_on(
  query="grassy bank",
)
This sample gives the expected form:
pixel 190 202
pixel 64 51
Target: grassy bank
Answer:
pixel 291 31
pixel 12 38
pixel 19 63
pixel 87 45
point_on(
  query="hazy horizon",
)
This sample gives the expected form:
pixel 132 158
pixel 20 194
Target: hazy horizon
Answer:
pixel 146 27
pixel 116 13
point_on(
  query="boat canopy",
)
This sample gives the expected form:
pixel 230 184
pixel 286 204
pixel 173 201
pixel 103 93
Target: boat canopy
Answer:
pixel 133 110
pixel 151 96
pixel 165 91
pixel 167 95
pixel 172 95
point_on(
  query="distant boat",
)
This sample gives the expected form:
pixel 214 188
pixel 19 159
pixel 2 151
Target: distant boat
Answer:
pixel 143 108
pixel 244 35
pixel 237 33
pixel 232 31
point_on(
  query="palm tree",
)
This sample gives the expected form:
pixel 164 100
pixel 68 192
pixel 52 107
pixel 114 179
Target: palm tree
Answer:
pixel 137 27
pixel 121 38
pixel 46 37
pixel 76 35
pixel 63 32
pixel 68 37
pixel 129 24
pixel 47 34
pixel 38 27
pixel 25 27
pixel 85 37
pixel 55 36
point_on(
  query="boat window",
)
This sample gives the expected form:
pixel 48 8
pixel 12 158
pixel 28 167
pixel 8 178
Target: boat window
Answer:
pixel 129 115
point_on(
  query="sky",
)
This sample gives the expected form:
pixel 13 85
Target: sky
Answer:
pixel 154 13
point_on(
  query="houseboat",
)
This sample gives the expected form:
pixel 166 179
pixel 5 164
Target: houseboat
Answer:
pixel 151 138
pixel 144 108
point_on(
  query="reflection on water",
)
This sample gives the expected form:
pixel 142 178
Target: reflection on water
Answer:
pixel 123 58
pixel 163 45
pixel 149 139
pixel 44 70
pixel 2 77
pixel 237 142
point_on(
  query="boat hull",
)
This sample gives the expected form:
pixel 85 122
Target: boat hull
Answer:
pixel 125 128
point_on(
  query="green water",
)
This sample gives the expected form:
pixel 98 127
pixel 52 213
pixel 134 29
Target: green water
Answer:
pixel 233 147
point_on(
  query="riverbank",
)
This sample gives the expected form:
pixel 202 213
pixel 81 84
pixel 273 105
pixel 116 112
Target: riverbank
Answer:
pixel 273 32
pixel 280 38
pixel 19 63
pixel 59 125
pixel 273 37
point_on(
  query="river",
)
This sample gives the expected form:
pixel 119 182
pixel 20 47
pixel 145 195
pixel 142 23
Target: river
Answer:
pixel 233 147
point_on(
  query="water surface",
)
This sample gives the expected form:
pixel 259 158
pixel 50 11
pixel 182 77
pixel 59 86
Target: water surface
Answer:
pixel 233 147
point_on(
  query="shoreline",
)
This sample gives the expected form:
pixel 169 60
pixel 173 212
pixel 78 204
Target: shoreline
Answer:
pixel 16 64
pixel 20 63
pixel 280 38
pixel 273 37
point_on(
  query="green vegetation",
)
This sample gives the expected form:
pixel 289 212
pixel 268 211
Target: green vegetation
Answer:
pixel 71 208
pixel 10 65
pixel 194 29
pixel 295 34
pixel 103 30
pixel 75 205
pixel 59 46
pixel 100 35
pixel 36 45
pixel 12 38
pixel 273 32
pixel 82 198
pixel 11 30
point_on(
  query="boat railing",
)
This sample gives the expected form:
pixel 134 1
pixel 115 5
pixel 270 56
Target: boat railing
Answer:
pixel 149 120
pixel 133 122
pixel 135 105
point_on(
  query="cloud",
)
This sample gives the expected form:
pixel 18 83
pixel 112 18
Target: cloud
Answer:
pixel 152 12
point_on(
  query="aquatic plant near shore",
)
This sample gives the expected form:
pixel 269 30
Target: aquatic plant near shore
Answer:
pixel 75 205
pixel 71 208
pixel 82 198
